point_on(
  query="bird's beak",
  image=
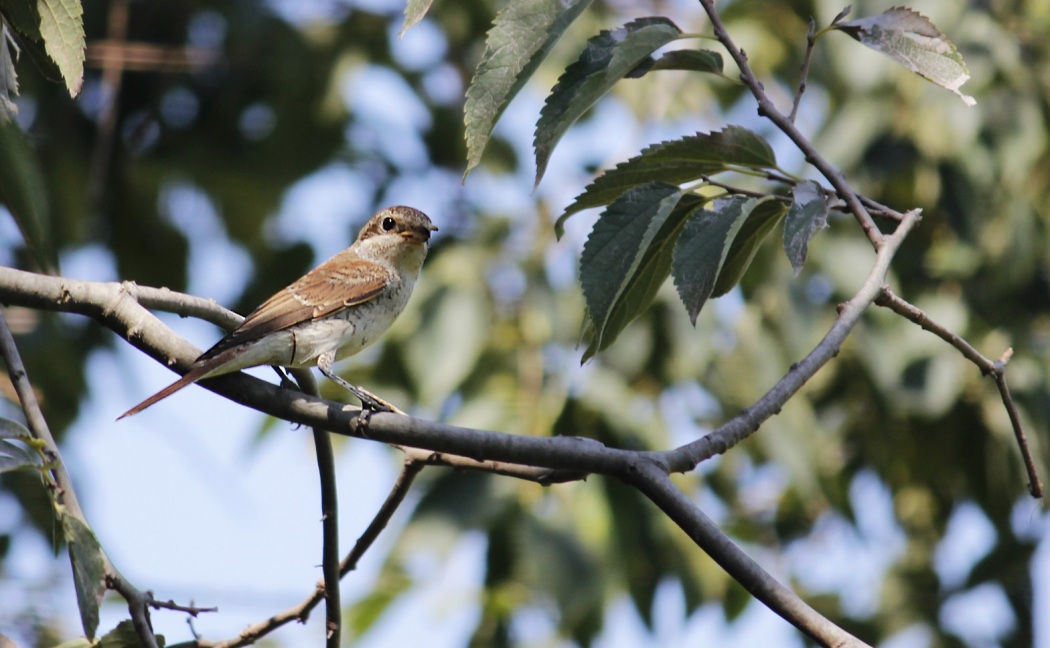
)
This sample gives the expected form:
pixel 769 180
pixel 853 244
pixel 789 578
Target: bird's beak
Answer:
pixel 419 234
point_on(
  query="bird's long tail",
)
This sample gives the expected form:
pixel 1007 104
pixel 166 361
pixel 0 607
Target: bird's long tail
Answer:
pixel 195 374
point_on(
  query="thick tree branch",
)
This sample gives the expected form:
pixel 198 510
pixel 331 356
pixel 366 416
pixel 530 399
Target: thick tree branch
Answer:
pixel 651 479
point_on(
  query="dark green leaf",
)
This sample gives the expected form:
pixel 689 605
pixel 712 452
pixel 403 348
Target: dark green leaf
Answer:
pixel 62 28
pixel 808 215
pixel 691 60
pixel 607 58
pixel 22 191
pixel 640 289
pixel 676 162
pixel 414 12
pixel 520 39
pixel 764 217
pixel 617 244
pixel 703 247
pixel 89 570
pixel 909 38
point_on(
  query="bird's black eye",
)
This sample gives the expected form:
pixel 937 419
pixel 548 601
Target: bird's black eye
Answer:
pixel 388 223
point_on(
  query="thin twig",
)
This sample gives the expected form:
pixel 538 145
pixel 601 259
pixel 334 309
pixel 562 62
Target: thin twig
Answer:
pixel 811 41
pixel 301 611
pixel 767 109
pixel 994 368
pixel 744 424
pixel 66 494
pixel 329 518
pixel 541 476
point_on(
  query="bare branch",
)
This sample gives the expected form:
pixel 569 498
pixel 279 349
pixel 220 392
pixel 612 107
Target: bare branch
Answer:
pixel 811 41
pixel 994 368
pixel 767 109
pixel 653 481
pixel 744 424
pixel 329 518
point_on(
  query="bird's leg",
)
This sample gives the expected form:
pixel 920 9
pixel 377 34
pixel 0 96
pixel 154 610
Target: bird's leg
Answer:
pixel 286 382
pixel 369 401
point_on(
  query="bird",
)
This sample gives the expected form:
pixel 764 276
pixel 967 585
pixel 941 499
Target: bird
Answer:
pixel 330 313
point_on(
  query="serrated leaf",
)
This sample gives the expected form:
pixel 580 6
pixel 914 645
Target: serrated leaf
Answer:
pixel 763 218
pixel 414 12
pixel 8 76
pixel 703 247
pixel 807 216
pixel 606 59
pixel 22 192
pixel 520 39
pixel 641 287
pixel 62 28
pixel 617 244
pixel 909 38
pixel 677 161
pixel 89 570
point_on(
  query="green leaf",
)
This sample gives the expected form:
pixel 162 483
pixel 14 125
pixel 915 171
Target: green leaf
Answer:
pixel 764 217
pixel 703 247
pixel 520 39
pixel 808 215
pixel 8 76
pixel 22 192
pixel 690 60
pixel 414 12
pixel 640 286
pixel 14 456
pixel 606 59
pixel 910 38
pixel 677 162
pixel 62 28
pixel 89 569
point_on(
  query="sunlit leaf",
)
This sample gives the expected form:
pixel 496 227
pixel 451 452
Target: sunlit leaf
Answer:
pixel 414 12
pixel 606 59
pixel 22 191
pixel 520 39
pixel 763 218
pixel 62 28
pixel 8 76
pixel 807 216
pixel 909 38
pixel 652 270
pixel 89 570
pixel 703 247
pixel 677 161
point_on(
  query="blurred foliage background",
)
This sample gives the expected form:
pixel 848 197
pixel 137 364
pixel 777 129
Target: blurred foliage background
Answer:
pixel 243 142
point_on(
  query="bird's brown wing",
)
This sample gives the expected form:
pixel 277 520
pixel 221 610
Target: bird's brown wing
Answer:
pixel 338 283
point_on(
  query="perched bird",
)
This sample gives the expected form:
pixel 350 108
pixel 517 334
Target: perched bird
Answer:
pixel 332 312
